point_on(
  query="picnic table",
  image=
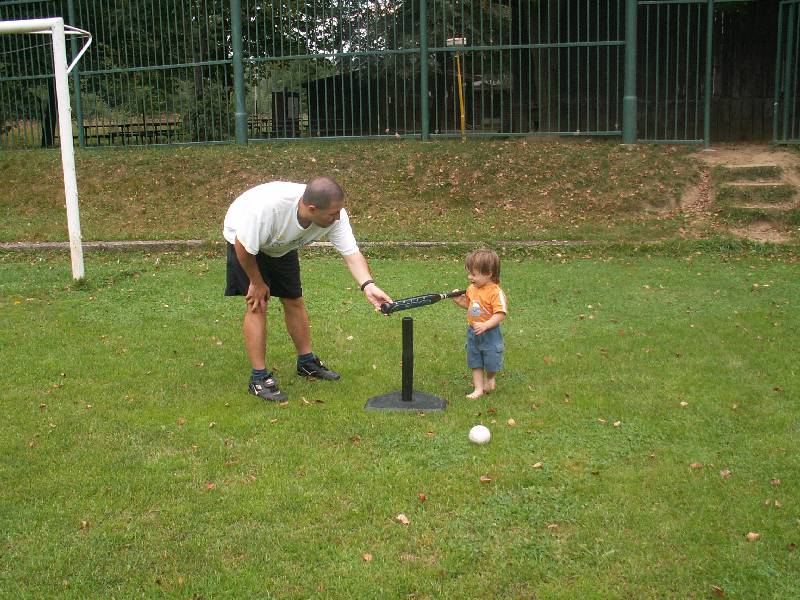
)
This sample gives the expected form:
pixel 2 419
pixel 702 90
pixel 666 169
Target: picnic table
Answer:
pixel 154 131
pixel 133 132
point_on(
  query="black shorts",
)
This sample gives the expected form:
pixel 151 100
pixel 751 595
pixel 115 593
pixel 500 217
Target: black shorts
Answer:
pixel 281 274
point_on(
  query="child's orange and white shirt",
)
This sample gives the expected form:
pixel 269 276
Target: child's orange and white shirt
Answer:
pixel 485 301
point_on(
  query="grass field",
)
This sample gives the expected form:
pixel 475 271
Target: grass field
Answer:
pixel 655 400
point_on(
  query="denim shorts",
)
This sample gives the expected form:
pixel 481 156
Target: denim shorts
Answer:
pixel 485 351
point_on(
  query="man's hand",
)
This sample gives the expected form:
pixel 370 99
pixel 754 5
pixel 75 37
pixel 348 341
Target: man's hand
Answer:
pixel 257 296
pixel 376 295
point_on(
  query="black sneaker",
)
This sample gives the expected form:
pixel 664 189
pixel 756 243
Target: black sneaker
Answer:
pixel 315 368
pixel 267 389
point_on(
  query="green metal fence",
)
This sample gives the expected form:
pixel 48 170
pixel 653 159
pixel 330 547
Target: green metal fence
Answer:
pixel 785 123
pixel 157 72
pixel 187 71
pixel 674 83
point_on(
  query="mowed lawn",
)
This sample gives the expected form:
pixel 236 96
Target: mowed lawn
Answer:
pixel 655 425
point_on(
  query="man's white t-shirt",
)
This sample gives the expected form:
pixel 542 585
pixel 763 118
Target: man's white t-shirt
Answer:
pixel 264 219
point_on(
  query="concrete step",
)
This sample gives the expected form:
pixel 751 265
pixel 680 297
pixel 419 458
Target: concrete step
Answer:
pixel 747 172
pixel 755 192
pixel 743 215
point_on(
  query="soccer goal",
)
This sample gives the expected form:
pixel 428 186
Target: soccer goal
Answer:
pixel 55 28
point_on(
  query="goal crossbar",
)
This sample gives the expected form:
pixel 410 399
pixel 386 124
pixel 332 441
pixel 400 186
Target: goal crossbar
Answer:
pixel 55 27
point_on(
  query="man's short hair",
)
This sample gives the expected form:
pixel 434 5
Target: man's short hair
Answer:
pixel 322 192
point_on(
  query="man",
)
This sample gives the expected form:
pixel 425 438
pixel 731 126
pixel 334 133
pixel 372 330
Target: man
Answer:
pixel 264 227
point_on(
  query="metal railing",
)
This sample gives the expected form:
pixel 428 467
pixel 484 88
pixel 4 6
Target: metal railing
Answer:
pixel 183 71
pixel 675 70
pixel 786 128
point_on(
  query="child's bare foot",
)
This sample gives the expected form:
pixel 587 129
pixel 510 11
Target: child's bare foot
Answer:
pixel 475 394
pixel 488 386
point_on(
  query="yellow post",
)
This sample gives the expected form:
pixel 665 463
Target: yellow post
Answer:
pixel 461 97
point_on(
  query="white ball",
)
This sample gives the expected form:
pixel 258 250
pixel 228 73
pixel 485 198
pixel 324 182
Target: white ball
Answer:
pixel 479 434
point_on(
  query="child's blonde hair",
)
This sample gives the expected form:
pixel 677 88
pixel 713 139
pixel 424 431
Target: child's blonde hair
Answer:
pixel 485 262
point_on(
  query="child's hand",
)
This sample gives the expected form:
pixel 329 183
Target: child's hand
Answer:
pixel 459 300
pixel 479 328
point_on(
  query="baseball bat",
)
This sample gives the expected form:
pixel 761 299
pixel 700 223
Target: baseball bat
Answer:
pixel 388 308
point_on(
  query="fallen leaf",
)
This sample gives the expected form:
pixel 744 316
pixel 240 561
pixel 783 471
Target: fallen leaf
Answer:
pixel 273 421
pixel 538 465
pixel 718 591
pixel 617 423
pixel 552 526
pixel 367 557
pixel 696 465
pixel 791 547
pixel 401 518
pixel 485 479
pixel 778 504
pixel 684 404
pixel 752 536
pixel 725 473
pixel 181 421
pixel 775 482
pixel 210 485
pixel 422 497
pixel 511 422
pixel 211 425
pixel 84 524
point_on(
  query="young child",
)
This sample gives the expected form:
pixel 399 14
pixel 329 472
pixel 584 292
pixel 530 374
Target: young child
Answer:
pixel 486 308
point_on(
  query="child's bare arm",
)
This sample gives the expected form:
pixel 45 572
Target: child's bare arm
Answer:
pixel 488 324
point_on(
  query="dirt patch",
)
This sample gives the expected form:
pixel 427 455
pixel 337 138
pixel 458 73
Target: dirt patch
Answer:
pixel 747 155
pixel 761 232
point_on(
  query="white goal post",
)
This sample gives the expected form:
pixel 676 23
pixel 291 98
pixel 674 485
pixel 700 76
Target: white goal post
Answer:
pixel 56 28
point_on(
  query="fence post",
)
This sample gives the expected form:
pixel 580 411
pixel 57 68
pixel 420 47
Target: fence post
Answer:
pixel 629 98
pixel 788 70
pixel 238 72
pixel 709 82
pixel 76 78
pixel 423 69
pixel 778 57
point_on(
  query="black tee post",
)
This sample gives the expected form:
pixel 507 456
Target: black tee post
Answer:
pixel 407 399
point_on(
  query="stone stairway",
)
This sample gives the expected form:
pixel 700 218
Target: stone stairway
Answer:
pixel 755 191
